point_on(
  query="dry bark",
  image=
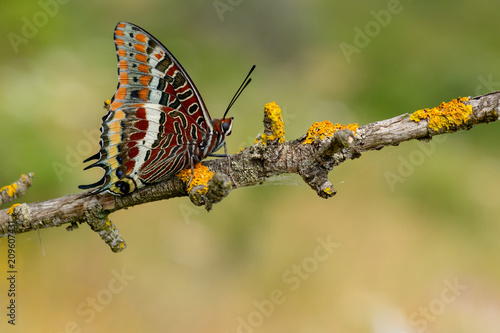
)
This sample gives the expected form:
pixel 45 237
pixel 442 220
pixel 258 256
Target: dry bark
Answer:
pixel 251 166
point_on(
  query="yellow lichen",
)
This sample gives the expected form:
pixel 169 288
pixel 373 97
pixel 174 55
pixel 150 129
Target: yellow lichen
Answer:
pixel 107 103
pixel 11 189
pixel 109 224
pixel 328 190
pixel 446 115
pixel 325 129
pixel 11 209
pixel 201 176
pixel 273 113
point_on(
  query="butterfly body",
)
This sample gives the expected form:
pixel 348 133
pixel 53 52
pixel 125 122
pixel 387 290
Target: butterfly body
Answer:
pixel 157 123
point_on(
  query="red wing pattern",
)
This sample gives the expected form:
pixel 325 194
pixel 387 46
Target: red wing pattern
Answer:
pixel 157 123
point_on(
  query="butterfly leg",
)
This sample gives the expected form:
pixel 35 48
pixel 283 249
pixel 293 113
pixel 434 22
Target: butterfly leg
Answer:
pixel 228 162
pixel 192 173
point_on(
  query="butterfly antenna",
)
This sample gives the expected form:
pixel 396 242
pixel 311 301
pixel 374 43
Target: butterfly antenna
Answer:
pixel 245 83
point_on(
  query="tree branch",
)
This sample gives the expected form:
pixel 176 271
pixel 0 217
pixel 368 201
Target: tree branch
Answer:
pixel 312 156
pixel 16 190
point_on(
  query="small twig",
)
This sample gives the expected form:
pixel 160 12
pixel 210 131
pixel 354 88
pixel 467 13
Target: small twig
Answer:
pixel 15 190
pixel 109 233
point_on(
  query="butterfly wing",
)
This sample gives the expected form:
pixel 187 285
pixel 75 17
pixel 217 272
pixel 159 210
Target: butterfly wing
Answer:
pixel 154 119
pixel 148 72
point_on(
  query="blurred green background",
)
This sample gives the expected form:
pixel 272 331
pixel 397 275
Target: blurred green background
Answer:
pixel 417 255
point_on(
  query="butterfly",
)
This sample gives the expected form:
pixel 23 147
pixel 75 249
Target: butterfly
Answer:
pixel 157 123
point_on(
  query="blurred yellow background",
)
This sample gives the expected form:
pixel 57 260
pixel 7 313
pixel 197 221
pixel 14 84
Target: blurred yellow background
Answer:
pixel 416 255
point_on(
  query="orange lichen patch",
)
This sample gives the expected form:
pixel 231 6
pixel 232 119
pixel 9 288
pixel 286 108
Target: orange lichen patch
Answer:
pixel 446 115
pixel 201 176
pixel 325 129
pixel 273 114
pixel 10 189
pixel 11 209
